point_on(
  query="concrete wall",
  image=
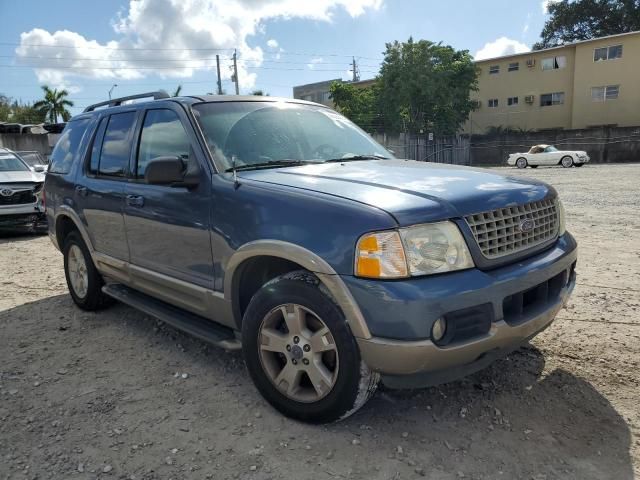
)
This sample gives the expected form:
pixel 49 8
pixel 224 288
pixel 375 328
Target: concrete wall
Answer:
pixel 603 145
pixel 29 141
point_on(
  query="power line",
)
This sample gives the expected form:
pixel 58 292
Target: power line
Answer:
pixel 283 52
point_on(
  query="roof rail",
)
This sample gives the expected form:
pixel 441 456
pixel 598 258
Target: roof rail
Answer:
pixel 160 94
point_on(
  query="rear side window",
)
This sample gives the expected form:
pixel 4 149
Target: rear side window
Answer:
pixel 67 147
pixel 162 135
pixel 116 146
pixel 97 146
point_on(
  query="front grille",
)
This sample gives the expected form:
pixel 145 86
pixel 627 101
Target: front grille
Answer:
pixel 18 198
pixel 499 232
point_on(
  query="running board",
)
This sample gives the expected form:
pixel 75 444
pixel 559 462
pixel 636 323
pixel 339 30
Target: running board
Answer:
pixel 193 324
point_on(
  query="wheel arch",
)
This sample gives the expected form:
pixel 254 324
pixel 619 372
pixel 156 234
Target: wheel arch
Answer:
pixel 257 261
pixel 67 221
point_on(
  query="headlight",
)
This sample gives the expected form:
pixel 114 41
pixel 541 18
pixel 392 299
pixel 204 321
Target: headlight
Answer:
pixel 435 248
pixel 561 219
pixel 419 250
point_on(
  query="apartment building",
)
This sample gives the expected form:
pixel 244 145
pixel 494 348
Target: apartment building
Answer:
pixel 579 85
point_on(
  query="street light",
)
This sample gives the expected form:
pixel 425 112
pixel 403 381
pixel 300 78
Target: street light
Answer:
pixel 111 89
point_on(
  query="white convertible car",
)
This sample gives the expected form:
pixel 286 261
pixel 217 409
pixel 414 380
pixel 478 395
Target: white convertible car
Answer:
pixel 548 155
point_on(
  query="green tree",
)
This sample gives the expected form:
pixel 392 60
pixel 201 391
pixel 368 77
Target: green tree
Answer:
pixel 359 104
pixel 572 21
pixel 13 111
pixel 426 86
pixel 259 93
pixel 54 104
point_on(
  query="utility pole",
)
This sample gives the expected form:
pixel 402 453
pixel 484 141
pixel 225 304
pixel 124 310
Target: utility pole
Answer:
pixel 235 72
pixel 219 81
pixel 354 68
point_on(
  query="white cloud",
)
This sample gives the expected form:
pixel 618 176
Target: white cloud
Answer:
pixel 545 5
pixel 272 43
pixel 195 30
pixel 501 46
pixel 314 61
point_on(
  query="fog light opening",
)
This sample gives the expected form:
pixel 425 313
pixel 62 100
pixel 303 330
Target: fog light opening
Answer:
pixel 438 330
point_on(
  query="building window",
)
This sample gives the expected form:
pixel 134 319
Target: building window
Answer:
pixel 548 99
pixel 493 69
pixel 602 94
pixel 514 67
pixel 554 63
pixel 493 102
pixel 511 101
pixel 607 53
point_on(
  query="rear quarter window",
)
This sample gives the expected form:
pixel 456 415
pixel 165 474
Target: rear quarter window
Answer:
pixel 66 150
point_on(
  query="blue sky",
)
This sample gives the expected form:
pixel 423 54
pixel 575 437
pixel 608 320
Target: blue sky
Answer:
pixel 87 46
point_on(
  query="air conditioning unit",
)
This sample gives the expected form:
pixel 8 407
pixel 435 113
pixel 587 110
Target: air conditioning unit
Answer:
pixel 529 98
pixel 531 62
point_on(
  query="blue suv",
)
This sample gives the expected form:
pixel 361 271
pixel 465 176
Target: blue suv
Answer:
pixel 278 227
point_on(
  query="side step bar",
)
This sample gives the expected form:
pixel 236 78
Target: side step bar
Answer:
pixel 190 323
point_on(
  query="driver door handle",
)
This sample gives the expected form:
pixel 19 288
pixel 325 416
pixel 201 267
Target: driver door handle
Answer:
pixel 135 200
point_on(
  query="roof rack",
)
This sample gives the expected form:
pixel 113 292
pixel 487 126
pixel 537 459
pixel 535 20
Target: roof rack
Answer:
pixel 159 95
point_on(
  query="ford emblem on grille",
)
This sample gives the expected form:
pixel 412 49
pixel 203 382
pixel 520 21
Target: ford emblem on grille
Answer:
pixel 6 192
pixel 526 225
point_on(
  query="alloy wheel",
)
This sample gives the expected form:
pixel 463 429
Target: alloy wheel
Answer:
pixel 298 353
pixel 78 274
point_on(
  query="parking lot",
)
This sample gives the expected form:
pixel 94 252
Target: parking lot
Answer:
pixel 117 394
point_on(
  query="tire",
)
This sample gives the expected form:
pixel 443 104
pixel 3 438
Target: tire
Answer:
pixel 77 262
pixel 566 162
pixel 301 298
pixel 521 162
pixel 578 164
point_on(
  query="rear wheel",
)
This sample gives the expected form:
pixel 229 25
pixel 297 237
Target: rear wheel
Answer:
pixel 83 280
pixel 300 352
pixel 567 162
pixel 521 162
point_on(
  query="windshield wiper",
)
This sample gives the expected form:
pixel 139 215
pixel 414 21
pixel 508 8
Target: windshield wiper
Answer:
pixel 355 158
pixel 269 164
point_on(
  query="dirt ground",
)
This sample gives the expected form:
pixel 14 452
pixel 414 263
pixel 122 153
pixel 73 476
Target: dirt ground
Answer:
pixel 118 395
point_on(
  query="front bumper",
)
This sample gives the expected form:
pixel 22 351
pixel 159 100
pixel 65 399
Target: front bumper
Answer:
pixel 29 215
pixel 400 315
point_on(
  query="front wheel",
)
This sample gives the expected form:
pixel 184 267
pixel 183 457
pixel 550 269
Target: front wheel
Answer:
pixel 300 352
pixel 567 162
pixel 521 162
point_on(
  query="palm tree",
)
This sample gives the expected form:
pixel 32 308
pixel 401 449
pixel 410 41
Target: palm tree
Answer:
pixel 54 104
pixel 176 93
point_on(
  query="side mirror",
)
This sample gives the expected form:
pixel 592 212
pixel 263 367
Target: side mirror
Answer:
pixel 172 171
pixel 39 168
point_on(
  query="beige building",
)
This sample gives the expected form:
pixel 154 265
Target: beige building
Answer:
pixel 579 85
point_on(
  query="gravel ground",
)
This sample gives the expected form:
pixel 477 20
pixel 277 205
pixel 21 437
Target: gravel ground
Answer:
pixel 120 395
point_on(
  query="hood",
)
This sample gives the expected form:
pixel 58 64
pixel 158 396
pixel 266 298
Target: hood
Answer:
pixel 21 176
pixel 413 192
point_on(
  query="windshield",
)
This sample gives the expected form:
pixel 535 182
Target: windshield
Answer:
pixel 10 163
pixel 276 133
pixel 32 158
